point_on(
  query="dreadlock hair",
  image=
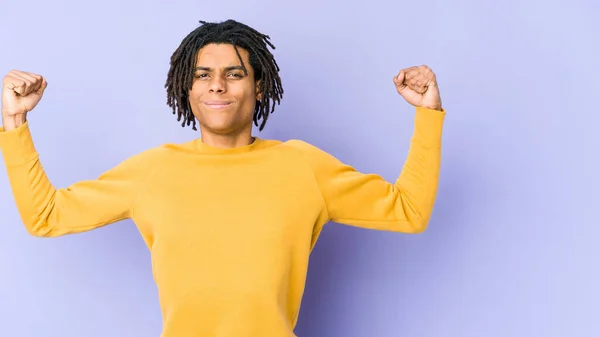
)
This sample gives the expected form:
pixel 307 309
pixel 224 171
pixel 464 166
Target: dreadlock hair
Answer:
pixel 183 62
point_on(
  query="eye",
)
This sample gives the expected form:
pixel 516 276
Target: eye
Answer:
pixel 235 75
pixel 201 75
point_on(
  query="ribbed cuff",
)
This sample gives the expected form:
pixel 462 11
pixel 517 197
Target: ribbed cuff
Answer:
pixel 17 145
pixel 429 124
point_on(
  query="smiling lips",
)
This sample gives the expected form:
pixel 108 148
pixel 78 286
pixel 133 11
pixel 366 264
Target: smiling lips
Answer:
pixel 217 104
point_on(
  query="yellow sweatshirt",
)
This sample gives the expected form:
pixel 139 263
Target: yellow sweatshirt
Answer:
pixel 230 230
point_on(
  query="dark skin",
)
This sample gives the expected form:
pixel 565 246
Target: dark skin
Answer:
pixel 223 96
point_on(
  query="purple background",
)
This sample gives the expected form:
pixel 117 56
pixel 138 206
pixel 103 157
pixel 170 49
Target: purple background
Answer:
pixel 511 249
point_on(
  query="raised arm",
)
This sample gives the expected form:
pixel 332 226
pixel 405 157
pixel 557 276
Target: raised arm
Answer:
pixel 45 210
pixel 369 201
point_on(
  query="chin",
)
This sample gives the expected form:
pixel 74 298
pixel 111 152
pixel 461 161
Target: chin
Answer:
pixel 223 122
pixel 222 127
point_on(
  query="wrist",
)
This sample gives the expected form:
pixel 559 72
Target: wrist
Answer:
pixel 13 122
pixel 437 107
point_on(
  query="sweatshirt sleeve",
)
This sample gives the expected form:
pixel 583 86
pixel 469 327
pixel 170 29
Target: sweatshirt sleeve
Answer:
pixel 50 212
pixel 369 201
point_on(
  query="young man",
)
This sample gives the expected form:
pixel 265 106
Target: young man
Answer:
pixel 224 264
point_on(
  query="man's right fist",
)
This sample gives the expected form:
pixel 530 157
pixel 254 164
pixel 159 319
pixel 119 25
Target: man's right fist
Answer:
pixel 21 92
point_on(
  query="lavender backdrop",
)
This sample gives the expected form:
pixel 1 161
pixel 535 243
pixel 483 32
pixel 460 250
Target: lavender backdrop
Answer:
pixel 511 249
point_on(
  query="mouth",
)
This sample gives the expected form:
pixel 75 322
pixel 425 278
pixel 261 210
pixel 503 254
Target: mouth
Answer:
pixel 217 104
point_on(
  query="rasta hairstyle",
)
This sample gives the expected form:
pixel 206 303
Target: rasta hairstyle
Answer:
pixel 183 62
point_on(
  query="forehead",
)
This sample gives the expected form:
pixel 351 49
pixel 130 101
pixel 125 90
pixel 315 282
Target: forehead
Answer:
pixel 220 55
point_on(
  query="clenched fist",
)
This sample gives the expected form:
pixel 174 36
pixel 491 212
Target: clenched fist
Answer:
pixel 419 88
pixel 21 92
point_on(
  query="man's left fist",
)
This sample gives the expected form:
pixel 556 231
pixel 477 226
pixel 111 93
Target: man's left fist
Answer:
pixel 419 87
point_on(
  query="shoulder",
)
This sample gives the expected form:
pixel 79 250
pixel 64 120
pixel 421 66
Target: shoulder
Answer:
pixel 141 162
pixel 163 151
pixel 311 153
pixel 301 146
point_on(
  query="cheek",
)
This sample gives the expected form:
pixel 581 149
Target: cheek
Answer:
pixel 195 93
pixel 250 97
pixel 195 97
pixel 249 106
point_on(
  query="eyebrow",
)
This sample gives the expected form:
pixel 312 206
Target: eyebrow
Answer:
pixel 226 68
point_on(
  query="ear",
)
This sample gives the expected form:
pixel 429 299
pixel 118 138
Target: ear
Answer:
pixel 258 92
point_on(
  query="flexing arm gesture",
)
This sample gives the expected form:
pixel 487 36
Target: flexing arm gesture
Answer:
pixel 44 209
pixel 368 200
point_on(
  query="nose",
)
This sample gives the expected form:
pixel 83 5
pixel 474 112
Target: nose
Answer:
pixel 217 85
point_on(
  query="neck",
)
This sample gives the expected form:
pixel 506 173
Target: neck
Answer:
pixel 227 141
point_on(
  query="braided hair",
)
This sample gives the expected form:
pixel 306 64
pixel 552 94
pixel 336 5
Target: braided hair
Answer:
pixel 183 62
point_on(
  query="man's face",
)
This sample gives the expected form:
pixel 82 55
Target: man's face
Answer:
pixel 223 96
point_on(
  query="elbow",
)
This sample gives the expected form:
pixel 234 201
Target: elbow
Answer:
pixel 415 212
pixel 39 231
pixel 418 222
pixel 419 225
pixel 420 218
pixel 38 228
pixel 46 231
